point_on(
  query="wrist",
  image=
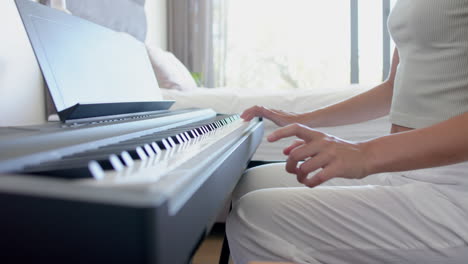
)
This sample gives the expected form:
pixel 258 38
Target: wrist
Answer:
pixel 371 159
pixel 310 119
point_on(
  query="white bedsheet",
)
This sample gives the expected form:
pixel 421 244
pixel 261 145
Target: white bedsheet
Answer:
pixel 229 101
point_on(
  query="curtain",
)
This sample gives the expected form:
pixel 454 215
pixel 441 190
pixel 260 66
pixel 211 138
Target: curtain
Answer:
pixel 196 36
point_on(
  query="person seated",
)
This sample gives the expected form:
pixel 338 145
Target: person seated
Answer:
pixel 399 198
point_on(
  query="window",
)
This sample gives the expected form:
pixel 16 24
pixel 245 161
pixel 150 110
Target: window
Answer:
pixel 291 44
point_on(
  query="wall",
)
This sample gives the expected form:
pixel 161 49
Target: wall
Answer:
pixel 21 83
pixel 156 11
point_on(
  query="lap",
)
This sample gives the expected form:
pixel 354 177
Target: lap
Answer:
pixel 275 176
pixel 361 224
pixel 378 219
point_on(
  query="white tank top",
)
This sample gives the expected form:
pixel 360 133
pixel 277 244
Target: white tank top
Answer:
pixel 431 83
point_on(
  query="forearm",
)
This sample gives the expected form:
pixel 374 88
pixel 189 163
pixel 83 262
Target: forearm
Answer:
pixel 366 106
pixel 441 144
pixel 363 107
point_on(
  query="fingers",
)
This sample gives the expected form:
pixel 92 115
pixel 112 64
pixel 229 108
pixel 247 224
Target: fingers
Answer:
pixel 296 144
pixel 317 162
pixel 249 113
pixel 298 154
pixel 254 111
pixel 308 166
pixel 320 177
pixel 336 157
pixel 296 130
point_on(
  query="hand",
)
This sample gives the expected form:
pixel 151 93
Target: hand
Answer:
pixel 279 117
pixel 336 157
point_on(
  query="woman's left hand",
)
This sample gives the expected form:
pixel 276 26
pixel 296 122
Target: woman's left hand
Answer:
pixel 336 157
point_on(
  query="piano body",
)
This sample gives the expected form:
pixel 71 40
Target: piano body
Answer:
pixel 145 190
pixel 139 187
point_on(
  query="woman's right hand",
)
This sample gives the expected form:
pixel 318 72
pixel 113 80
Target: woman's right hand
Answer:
pixel 279 117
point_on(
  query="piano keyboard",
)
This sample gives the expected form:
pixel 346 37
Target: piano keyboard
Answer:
pixel 163 150
pixel 156 158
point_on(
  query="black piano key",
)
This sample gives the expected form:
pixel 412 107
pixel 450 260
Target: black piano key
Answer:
pixel 183 137
pixel 156 148
pixel 175 139
pixel 178 139
pixel 187 135
pixel 160 144
pixel 193 134
pixel 199 130
pixel 137 154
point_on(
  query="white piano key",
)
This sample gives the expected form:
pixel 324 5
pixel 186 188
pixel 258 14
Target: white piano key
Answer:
pixel 184 139
pixel 179 138
pixel 172 142
pixel 128 161
pixel 96 170
pixel 141 153
pixel 156 148
pixel 166 144
pixel 149 150
pixel 116 164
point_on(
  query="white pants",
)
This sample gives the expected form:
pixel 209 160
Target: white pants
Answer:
pixel 384 218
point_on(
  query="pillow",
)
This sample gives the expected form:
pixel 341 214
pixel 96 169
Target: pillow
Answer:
pixel 169 71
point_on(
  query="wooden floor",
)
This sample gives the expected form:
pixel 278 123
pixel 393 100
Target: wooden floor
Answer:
pixel 210 249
